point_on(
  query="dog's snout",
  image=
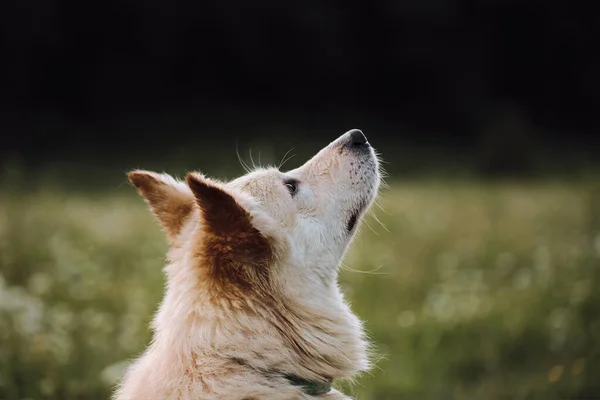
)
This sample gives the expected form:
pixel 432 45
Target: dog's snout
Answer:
pixel 357 138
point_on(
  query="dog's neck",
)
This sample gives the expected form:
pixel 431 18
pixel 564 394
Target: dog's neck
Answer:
pixel 312 334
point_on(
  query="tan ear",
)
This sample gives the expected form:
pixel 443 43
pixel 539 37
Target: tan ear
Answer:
pixel 221 213
pixel 170 200
pixel 237 250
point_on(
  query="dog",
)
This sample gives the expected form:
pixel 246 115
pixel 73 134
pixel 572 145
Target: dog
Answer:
pixel 252 309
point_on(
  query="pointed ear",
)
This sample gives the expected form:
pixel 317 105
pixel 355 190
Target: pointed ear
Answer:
pixel 170 200
pixel 231 232
pixel 221 213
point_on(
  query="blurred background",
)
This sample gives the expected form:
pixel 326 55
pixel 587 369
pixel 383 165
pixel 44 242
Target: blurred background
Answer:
pixel 477 277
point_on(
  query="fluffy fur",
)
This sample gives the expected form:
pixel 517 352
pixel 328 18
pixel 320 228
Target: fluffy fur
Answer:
pixel 252 292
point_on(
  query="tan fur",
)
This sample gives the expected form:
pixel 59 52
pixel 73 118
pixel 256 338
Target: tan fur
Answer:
pixel 170 205
pixel 251 282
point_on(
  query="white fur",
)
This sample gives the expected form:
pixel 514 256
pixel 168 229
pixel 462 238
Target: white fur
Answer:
pixel 196 335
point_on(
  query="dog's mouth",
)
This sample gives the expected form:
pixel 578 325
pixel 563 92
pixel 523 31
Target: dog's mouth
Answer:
pixel 351 224
pixel 352 221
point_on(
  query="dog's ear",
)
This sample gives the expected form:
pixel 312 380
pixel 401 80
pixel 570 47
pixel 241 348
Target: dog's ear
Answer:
pixel 221 213
pixel 230 235
pixel 170 200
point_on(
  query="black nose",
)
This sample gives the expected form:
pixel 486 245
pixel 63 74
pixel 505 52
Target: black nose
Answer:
pixel 357 138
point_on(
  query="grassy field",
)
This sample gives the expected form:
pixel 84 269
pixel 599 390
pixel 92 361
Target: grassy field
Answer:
pixel 472 291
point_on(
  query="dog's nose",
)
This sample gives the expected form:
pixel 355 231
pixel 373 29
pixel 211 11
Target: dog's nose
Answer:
pixel 357 138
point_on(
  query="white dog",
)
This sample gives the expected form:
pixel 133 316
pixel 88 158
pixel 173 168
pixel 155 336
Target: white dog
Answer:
pixel 252 308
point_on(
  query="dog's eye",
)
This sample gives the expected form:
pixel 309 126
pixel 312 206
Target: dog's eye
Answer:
pixel 292 186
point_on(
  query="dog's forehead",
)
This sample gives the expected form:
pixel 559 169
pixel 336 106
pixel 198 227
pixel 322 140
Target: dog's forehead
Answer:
pixel 258 181
pixel 265 185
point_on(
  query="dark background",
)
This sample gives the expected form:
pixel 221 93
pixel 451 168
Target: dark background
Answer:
pixel 496 87
pixel 477 275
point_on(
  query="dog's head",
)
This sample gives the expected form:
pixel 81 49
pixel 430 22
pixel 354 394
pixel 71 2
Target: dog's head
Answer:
pixel 300 221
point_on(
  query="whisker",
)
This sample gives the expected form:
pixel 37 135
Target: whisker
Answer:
pixel 381 208
pixel 371 272
pixel 289 158
pixel 381 223
pixel 251 158
pixel 284 159
pixel 284 156
pixel 369 226
pixel 241 160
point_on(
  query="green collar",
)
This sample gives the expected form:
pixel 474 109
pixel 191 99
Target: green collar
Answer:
pixel 310 387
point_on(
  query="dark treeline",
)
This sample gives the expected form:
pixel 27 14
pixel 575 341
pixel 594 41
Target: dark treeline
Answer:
pixel 441 71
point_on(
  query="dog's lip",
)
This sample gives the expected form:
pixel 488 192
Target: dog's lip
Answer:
pixel 355 215
pixel 352 221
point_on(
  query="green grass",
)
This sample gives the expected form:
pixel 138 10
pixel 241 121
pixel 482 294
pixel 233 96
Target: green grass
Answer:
pixel 478 291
